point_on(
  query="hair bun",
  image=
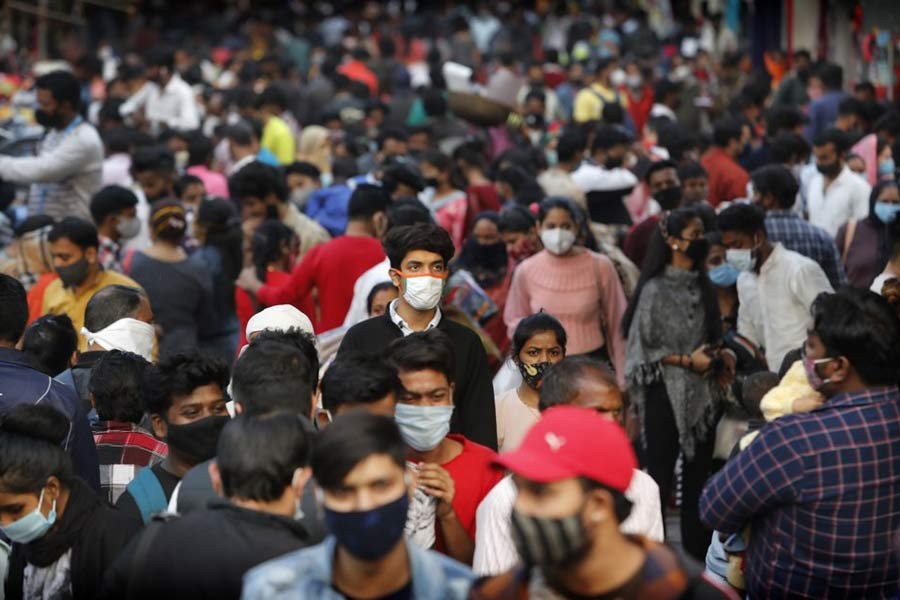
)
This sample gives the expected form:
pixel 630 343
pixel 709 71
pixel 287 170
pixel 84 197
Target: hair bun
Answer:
pixel 36 421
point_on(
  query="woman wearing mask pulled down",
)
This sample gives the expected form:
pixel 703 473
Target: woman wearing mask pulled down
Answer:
pixel 538 344
pixel 63 535
pixel 579 287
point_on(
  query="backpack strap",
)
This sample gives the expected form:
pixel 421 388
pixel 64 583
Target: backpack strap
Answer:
pixel 148 494
pixel 848 240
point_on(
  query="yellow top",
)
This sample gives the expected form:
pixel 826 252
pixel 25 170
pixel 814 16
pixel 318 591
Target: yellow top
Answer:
pixel 589 102
pixel 278 139
pixel 59 300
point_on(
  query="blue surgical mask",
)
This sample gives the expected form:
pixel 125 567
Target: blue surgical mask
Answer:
pixel 886 167
pixel 369 534
pixel 741 258
pixel 886 211
pixel 423 427
pixel 31 526
pixel 725 275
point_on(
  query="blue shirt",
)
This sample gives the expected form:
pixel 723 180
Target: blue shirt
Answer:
pixel 20 384
pixel 823 112
pixel 307 573
pixel 822 492
pixel 804 238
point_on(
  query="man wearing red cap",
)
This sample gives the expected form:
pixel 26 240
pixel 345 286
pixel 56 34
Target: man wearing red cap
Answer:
pixel 571 471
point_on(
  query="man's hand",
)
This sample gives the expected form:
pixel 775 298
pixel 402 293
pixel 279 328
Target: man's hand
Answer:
pixel 248 280
pixel 436 482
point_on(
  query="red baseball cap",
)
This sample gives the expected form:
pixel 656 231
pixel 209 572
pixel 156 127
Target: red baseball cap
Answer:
pixel 569 442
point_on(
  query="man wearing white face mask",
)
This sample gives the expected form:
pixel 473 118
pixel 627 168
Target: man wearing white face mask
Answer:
pixel 254 522
pixel 453 474
pixel 114 210
pixel 776 286
pixel 418 256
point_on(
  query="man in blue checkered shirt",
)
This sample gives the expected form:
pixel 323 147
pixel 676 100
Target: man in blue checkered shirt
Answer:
pixel 821 489
pixel 775 189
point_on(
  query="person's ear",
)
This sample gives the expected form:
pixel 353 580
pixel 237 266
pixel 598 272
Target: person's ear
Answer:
pixel 396 278
pixel 841 371
pixel 90 255
pixel 53 489
pixel 215 476
pixel 452 391
pixel 238 407
pixel 313 405
pixel 300 479
pixel 323 418
pixel 160 428
pixel 599 508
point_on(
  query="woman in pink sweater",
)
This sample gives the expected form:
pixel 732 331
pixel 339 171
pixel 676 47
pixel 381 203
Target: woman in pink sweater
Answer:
pixel 579 287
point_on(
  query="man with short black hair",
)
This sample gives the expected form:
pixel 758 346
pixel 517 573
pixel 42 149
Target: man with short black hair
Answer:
pixel 262 194
pixel 332 268
pixel 819 487
pixel 776 286
pixel 359 463
pixel 826 92
pixel 261 469
pixel 123 446
pixel 185 400
pixel 604 179
pixel 358 381
pixel 775 190
pixel 664 184
pixel 453 473
pixel 557 179
pixel 165 100
pixel 571 472
pixel 68 166
pixel 74 246
pixel 835 194
pixel 20 383
pixel 727 179
pixel 419 256
pixel 114 211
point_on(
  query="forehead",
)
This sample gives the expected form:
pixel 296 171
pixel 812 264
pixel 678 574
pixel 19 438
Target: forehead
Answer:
pixel 64 246
pixel 424 257
pixel 371 469
pixel 205 394
pixel 424 380
pixel 594 392
pixel 543 339
pixel 663 175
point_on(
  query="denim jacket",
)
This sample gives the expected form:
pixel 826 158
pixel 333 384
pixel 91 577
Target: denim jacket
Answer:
pixel 307 574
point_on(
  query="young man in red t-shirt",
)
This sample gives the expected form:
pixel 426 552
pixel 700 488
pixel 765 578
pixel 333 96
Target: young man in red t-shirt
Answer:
pixel 453 473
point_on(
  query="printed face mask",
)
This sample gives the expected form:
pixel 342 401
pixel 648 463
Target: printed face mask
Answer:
pixel 546 542
pixel 815 380
pixel 534 374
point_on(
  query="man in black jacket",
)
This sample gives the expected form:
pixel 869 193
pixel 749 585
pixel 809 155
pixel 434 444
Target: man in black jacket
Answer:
pixel 262 468
pixel 419 255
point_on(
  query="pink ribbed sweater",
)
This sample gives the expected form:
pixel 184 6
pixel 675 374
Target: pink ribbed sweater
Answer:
pixel 582 290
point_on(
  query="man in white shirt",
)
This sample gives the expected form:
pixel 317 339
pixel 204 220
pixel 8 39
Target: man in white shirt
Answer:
pixel 68 167
pixel 604 180
pixel 167 101
pixel 577 381
pixel 776 287
pixel 835 194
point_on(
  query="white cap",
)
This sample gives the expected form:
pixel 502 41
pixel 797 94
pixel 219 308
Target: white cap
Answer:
pixel 279 318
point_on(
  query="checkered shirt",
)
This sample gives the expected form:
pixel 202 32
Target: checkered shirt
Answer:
pixel 124 449
pixel 822 492
pixel 804 238
pixel 109 254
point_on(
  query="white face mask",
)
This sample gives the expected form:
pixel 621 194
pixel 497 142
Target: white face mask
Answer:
pixel 618 77
pixel 423 292
pixel 127 335
pixel 128 227
pixel 558 241
pixel 740 259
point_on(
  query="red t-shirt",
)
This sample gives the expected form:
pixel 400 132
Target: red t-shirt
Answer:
pixel 331 268
pixel 474 476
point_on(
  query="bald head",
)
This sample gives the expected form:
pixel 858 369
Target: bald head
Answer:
pixel 116 302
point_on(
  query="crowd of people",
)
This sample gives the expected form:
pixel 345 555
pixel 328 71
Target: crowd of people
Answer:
pixel 286 311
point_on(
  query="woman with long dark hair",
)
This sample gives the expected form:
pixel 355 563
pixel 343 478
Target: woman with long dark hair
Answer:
pixel 218 229
pixel 671 363
pixel 864 245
